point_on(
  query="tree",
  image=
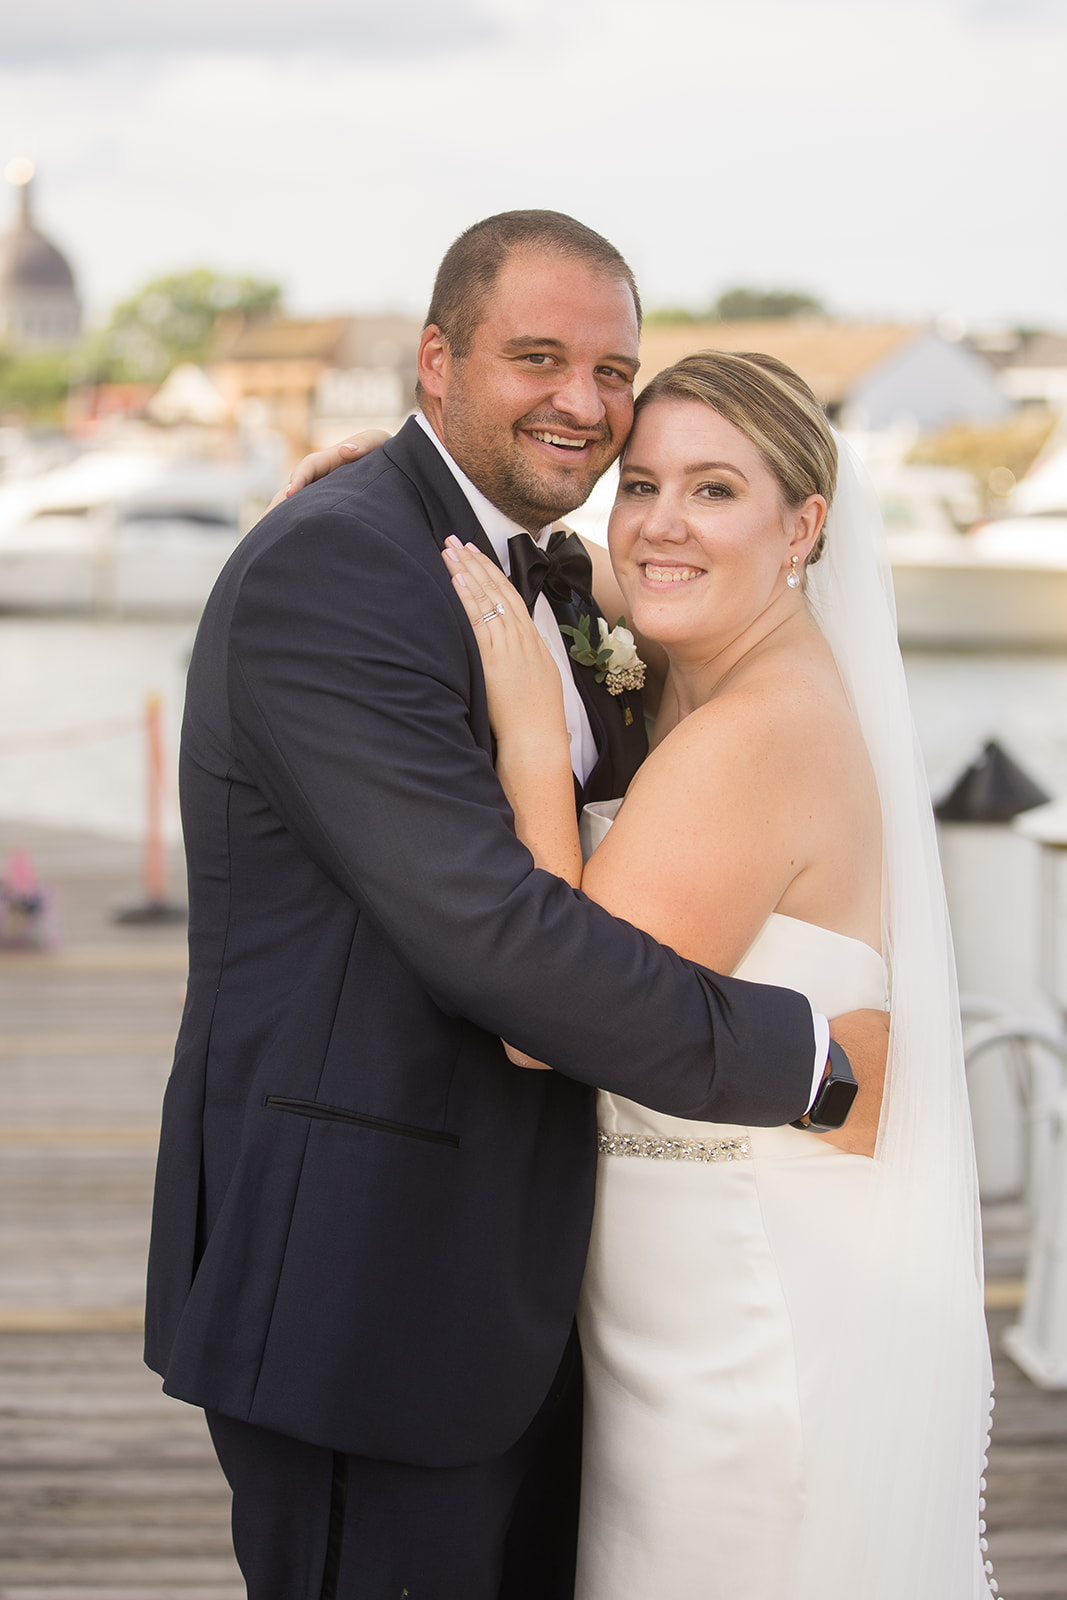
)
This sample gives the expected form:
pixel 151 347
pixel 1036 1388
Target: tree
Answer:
pixel 34 384
pixel 742 304
pixel 173 319
pixel 667 314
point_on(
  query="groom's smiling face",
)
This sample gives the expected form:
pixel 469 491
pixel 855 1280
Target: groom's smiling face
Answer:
pixel 541 403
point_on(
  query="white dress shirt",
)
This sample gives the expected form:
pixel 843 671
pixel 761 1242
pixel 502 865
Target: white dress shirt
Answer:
pixel 498 529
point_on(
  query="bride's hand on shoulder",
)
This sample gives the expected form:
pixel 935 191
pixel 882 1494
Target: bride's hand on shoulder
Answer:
pixel 322 462
pixel 521 679
pixel 524 691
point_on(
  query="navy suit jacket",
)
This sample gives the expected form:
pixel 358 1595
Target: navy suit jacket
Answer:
pixel 369 1228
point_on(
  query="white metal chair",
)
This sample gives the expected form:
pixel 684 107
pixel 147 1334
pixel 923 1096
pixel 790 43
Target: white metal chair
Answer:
pixel 1037 1059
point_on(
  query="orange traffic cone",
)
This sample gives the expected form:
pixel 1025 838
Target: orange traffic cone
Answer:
pixel 155 907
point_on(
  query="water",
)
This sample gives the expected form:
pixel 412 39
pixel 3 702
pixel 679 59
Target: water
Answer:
pixel 72 694
pixel 72 701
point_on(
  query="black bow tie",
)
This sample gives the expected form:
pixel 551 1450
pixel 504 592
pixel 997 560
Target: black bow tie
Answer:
pixel 558 571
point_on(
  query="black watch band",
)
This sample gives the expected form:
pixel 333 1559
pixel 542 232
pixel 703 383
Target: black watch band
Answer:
pixel 836 1093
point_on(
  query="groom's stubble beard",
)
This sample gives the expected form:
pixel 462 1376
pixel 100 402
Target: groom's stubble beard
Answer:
pixel 490 451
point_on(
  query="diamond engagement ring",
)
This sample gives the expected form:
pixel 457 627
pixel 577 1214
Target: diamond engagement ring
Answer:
pixel 497 611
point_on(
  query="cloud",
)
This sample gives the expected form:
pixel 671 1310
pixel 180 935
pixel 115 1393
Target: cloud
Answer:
pixel 894 156
pixel 1019 12
pixel 54 30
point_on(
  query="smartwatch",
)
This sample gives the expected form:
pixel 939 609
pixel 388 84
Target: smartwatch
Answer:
pixel 836 1093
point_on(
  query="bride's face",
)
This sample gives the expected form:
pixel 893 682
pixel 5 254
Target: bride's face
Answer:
pixel 700 540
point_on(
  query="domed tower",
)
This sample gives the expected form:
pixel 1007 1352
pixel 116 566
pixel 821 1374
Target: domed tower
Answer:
pixel 39 306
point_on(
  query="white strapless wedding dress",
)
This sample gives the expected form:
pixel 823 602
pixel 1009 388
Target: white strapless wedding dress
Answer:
pixel 707 1331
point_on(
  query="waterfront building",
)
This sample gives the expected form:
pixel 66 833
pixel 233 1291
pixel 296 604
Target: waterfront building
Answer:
pixel 867 375
pixel 316 380
pixel 39 305
pixel 1037 371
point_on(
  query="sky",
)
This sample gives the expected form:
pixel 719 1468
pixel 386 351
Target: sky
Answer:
pixel 897 158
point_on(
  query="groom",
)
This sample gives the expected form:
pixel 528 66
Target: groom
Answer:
pixel 369 1227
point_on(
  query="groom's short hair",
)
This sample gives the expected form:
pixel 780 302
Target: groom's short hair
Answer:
pixel 468 274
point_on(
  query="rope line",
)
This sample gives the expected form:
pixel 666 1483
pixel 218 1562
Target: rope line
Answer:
pixel 59 738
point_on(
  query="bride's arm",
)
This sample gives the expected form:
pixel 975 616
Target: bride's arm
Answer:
pixel 525 698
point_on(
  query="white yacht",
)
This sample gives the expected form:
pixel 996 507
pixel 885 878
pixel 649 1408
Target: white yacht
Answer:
pixel 1000 585
pixel 125 531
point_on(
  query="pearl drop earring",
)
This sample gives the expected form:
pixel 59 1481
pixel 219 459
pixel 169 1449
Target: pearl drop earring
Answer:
pixel 793 580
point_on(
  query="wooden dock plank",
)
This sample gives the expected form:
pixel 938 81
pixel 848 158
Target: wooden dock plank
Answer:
pixel 108 1488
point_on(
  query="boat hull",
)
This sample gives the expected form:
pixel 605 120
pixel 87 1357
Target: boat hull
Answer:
pixel 161 569
pixel 981 607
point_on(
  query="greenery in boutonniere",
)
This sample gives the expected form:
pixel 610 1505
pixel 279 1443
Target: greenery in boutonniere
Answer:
pixel 614 655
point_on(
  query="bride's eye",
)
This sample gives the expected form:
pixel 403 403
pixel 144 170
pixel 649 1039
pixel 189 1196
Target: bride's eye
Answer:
pixel 716 491
pixel 638 487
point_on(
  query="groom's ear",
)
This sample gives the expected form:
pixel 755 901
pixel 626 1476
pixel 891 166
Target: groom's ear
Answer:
pixel 434 361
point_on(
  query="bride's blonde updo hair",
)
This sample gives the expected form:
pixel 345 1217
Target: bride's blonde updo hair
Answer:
pixel 767 402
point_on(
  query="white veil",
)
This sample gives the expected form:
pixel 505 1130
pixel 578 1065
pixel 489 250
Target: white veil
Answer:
pixel 915 1378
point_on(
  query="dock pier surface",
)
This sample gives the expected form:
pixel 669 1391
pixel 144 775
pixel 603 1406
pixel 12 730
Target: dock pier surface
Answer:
pixel 109 1490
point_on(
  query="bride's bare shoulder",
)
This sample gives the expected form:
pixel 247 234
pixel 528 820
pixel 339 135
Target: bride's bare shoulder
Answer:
pixel 716 825
pixel 765 712
pixel 764 745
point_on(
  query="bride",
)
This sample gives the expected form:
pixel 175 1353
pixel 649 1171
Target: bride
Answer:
pixel 787 1374
pixel 786 1370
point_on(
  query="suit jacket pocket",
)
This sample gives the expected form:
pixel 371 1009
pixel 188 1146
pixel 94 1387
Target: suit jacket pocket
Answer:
pixel 324 1113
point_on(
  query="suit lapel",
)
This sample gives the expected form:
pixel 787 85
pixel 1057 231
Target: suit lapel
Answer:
pixel 447 508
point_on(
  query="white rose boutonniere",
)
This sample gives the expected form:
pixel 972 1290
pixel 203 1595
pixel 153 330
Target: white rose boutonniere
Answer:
pixel 615 655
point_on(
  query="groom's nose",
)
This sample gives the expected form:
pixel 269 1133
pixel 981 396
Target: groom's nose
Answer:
pixel 578 396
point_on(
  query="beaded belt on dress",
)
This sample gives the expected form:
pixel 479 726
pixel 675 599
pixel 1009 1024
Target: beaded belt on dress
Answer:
pixel 658 1148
